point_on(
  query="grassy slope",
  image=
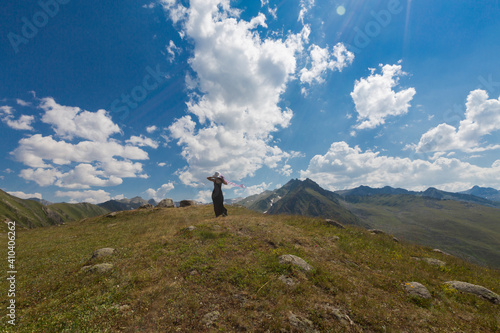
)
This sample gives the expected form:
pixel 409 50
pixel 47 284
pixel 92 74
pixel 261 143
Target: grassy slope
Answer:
pixel 74 212
pixel 465 229
pixel 27 213
pixel 170 278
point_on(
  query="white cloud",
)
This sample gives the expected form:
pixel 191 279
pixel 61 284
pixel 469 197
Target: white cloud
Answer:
pixel 305 6
pixel 172 50
pixel 241 78
pixel 160 193
pixel 70 122
pixel 321 62
pixel 375 98
pixel 23 195
pixel 22 102
pixel 97 160
pixel 482 118
pixel 142 141
pixel 151 129
pixel 90 196
pixel 346 167
pixel 23 123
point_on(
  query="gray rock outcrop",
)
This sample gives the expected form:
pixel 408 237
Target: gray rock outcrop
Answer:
pixel 476 290
pixel 166 203
pixel 417 289
pixel 296 261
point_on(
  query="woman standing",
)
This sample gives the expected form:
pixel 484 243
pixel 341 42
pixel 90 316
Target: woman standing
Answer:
pixel 217 196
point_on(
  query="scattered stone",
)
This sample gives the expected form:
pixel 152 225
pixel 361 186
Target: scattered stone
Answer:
pixel 417 289
pixel 302 324
pixel 112 214
pixel 376 232
pixel 431 261
pixel 107 251
pixel 395 239
pixel 146 206
pixel 210 318
pixel 286 280
pixel 296 261
pixel 166 203
pixel 190 228
pixel 187 203
pixel 99 268
pixel 476 290
pixel 334 224
pixel 442 252
pixel 335 238
pixel 339 315
pixel 121 308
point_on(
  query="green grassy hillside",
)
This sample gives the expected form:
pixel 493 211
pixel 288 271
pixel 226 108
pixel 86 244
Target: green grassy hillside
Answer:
pixel 77 211
pixel 27 213
pixel 465 229
pixel 32 214
pixel 224 275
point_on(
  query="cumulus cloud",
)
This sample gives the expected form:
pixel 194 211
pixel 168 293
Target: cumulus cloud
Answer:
pixel 322 61
pixel 240 77
pixel 172 50
pixel 23 123
pixel 90 196
pixel 375 99
pixel 23 195
pixel 94 160
pixel 151 129
pixel 69 122
pixel 347 167
pixel 160 193
pixel 142 141
pixel 482 118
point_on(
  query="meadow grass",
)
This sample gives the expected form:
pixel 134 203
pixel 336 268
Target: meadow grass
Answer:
pixel 166 278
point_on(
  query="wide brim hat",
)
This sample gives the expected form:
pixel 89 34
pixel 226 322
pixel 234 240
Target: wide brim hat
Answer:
pixel 217 175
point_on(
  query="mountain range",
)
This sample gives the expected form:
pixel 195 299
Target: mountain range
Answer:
pixel 458 223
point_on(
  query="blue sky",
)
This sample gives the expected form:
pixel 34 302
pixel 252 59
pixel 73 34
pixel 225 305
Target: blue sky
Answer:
pixel 106 100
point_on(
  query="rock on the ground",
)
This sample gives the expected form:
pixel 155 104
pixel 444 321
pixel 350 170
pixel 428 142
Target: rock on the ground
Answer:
pixel 166 203
pixel 376 231
pixel 210 318
pixel 99 268
pixel 339 315
pixel 417 289
pixel 334 223
pixel 187 203
pixel 431 261
pixel 286 280
pixel 146 206
pixel 296 261
pixel 476 290
pixel 107 251
pixel 301 324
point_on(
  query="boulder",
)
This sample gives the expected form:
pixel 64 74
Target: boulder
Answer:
pixel 334 224
pixel 166 203
pixel 417 290
pixel 376 231
pixel 296 261
pixel 146 206
pixel 476 290
pixel 187 203
pixel 104 252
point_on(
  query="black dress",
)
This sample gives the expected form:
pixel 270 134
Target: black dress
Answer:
pixel 218 199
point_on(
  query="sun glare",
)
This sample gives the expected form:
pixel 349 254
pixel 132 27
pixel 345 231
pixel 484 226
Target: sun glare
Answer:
pixel 341 10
